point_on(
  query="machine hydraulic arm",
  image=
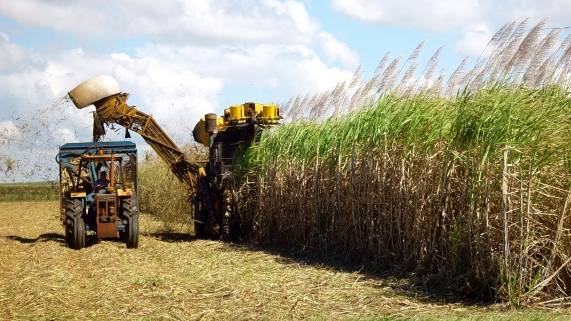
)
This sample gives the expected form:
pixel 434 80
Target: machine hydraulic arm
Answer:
pixel 115 109
pixel 111 107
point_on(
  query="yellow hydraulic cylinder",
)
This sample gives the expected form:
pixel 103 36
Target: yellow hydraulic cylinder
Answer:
pixel 200 132
pixel 270 114
pixel 236 113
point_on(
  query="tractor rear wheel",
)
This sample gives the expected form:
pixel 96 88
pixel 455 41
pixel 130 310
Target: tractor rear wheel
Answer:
pixel 75 224
pixel 131 234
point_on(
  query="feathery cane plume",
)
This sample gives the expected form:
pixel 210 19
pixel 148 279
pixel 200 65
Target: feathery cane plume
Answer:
pixel 389 76
pixel 426 78
pixel 526 50
pixel 416 52
pixel 381 64
pixel 453 81
pixel 540 55
pixel 438 85
pixel 406 79
pixel 357 77
pixel 510 51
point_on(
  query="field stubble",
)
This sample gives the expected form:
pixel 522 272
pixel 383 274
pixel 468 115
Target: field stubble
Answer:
pixel 173 276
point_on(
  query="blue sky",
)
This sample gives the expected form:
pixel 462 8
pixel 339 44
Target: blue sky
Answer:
pixel 180 59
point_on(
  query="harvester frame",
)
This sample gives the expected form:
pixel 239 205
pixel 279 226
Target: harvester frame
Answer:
pixel 208 182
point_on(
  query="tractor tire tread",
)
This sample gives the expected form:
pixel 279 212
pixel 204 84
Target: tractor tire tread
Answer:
pixel 75 224
pixel 131 213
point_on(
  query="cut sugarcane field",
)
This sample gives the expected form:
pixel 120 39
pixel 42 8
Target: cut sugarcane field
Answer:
pixel 421 189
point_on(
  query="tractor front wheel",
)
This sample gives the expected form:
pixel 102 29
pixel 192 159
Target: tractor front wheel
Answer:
pixel 131 234
pixel 75 224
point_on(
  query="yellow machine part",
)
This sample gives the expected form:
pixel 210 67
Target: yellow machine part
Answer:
pixel 236 113
pixel 124 192
pixel 266 113
pixel 257 108
pixel 201 134
pixel 270 114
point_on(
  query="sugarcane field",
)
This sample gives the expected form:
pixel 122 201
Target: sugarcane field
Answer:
pixel 285 160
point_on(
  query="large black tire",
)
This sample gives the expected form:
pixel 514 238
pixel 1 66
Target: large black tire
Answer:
pixel 75 224
pixel 131 213
pixel 133 232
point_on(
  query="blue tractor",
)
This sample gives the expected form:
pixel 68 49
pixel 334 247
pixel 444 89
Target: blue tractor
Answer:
pixel 98 192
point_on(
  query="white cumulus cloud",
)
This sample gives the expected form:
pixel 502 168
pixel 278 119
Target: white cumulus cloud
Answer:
pixel 337 50
pixel 474 40
pixel 177 84
pixel 188 54
pixel 450 14
pixel 10 54
pixel 246 21
pixel 473 19
pixel 432 14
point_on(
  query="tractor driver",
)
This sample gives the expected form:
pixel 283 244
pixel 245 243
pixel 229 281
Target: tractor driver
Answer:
pixel 102 182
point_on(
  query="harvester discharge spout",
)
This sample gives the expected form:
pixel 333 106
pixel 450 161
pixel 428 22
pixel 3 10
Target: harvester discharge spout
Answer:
pixel 111 107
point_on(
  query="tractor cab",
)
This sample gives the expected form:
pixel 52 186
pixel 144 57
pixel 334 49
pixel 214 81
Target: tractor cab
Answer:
pixel 98 182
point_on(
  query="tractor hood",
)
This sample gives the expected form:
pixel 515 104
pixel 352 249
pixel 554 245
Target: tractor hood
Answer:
pixel 93 90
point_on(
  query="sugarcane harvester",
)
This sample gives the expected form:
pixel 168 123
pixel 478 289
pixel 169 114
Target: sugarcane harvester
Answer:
pixel 208 182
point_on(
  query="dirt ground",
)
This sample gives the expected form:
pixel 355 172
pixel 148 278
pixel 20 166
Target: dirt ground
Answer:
pixel 172 276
